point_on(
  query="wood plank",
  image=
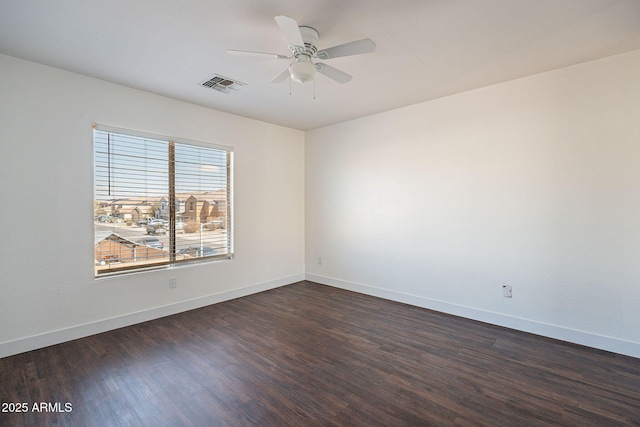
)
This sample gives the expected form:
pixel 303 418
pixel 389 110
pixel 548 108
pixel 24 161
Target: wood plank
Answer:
pixel 308 354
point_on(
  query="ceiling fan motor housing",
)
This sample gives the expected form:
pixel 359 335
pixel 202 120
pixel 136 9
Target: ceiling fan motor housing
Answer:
pixel 302 69
pixel 310 38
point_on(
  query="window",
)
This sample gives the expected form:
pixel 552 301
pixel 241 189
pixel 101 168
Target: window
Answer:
pixel 141 182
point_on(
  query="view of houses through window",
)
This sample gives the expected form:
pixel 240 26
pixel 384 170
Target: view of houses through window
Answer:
pixel 159 202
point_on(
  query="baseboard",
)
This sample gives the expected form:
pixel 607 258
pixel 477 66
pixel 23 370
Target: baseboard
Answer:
pixel 587 339
pixel 46 339
pixel 614 345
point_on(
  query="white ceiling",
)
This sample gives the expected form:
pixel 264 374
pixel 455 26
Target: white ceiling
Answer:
pixel 425 48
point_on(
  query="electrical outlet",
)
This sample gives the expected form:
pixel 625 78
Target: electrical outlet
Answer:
pixel 319 260
pixel 506 291
pixel 173 283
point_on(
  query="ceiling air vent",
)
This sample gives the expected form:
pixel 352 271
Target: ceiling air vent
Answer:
pixel 222 84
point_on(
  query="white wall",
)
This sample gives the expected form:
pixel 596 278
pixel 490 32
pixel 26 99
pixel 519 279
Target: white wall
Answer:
pixel 47 290
pixel 534 183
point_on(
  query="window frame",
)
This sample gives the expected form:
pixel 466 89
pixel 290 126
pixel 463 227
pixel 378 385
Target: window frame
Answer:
pixel 172 201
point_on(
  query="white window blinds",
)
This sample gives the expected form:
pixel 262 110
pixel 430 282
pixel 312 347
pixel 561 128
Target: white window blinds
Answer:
pixel 159 201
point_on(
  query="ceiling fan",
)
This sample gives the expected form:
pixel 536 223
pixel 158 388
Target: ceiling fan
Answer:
pixel 302 43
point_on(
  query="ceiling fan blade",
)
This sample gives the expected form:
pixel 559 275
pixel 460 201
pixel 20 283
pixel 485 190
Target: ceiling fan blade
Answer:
pixel 282 76
pixel 258 54
pixel 291 30
pixel 333 73
pixel 352 48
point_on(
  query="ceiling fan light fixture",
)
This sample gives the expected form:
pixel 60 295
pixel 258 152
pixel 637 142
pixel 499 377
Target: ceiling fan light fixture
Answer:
pixel 302 70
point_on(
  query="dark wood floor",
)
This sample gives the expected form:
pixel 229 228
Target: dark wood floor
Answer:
pixel 307 355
